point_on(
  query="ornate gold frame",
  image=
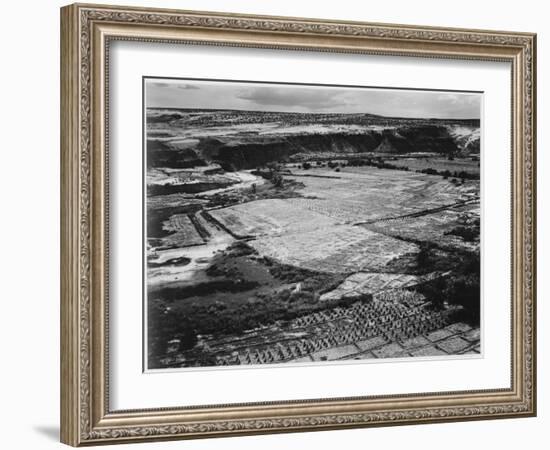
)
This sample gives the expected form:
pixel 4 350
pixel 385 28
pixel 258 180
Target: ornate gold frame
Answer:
pixel 86 31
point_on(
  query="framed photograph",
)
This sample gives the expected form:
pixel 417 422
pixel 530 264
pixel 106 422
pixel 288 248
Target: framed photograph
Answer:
pixel 273 224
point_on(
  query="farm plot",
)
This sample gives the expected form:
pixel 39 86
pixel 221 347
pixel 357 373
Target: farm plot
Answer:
pixel 362 330
pixel 174 201
pixel 268 217
pixel 439 164
pixel 184 232
pixel 434 227
pixel 364 283
pixel 335 249
pixel 367 194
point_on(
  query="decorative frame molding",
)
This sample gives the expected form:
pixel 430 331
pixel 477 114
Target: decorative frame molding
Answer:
pixel 86 31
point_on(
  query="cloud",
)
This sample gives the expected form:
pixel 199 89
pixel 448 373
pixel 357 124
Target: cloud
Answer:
pixel 312 99
pixel 157 84
pixel 162 85
pixel 187 86
pixel 459 99
pixel 203 94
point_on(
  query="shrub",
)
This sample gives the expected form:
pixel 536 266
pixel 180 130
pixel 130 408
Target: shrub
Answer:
pixel 430 171
pixel 469 234
pixel 462 290
pixel 424 256
pixel 165 325
pixel 277 179
pixel 465 291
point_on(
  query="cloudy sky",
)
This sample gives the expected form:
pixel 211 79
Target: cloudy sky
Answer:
pixel 276 97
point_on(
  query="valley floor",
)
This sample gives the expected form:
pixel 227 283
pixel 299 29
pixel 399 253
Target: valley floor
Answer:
pixel 328 265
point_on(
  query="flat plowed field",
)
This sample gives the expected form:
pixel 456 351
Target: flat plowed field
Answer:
pixel 338 249
pixel 363 283
pixel 184 232
pixel 351 220
pixel 270 217
pixel 434 227
pixel 367 193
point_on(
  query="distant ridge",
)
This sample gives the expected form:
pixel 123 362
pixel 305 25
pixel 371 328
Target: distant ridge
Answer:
pixel 313 114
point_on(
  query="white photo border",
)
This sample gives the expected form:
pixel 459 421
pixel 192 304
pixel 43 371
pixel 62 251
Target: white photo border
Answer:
pixel 118 398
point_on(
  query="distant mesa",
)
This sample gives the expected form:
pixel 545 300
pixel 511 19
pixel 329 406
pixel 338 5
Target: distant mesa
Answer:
pixel 183 138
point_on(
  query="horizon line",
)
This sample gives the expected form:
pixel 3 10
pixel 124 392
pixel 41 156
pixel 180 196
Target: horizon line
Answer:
pixel 314 113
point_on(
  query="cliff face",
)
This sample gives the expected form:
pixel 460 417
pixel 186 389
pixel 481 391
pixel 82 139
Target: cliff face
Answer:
pixel 254 152
pixel 178 141
pixel 165 154
pixel 413 139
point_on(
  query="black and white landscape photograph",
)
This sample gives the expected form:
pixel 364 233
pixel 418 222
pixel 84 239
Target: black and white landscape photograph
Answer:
pixel 293 223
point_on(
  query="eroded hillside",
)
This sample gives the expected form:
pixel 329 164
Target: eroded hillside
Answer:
pixel 247 139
